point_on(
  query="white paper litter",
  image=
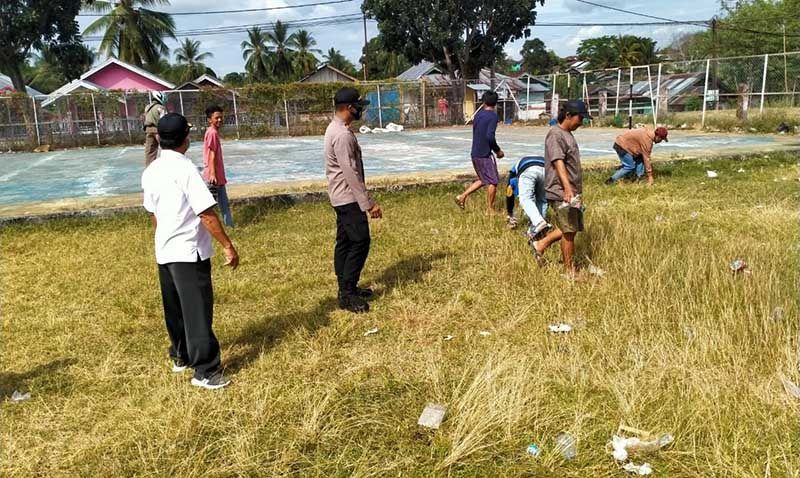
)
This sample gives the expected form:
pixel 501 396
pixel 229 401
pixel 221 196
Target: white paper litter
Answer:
pixel 740 170
pixel 484 333
pixel 432 416
pixel 371 332
pixel 777 313
pixel 791 387
pixel 711 174
pixel 641 470
pixel 659 218
pixel 595 271
pixel 19 397
pixel 561 328
pixel 448 338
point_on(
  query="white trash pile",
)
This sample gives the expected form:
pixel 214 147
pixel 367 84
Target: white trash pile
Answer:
pixel 389 128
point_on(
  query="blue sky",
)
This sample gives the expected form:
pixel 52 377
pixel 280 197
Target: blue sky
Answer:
pixel 349 38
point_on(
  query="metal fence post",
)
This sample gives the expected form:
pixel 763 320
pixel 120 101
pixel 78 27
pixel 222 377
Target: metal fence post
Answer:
pixel 585 94
pixel 235 113
pixel 705 93
pixel 127 118
pixel 96 125
pixel 616 102
pixel 286 112
pixel 424 109
pixel 180 99
pixel 36 121
pixel 658 95
pixel 380 114
pixel 763 85
pixel 652 100
pixel 630 101
pixel 528 99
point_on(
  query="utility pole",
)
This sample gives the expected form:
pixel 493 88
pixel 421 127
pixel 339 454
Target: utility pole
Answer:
pixel 366 50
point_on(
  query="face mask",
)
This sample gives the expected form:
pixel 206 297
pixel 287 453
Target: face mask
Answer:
pixel 357 113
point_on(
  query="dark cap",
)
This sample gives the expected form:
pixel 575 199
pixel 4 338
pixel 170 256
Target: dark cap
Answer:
pixel 173 126
pixel 577 107
pixel 349 96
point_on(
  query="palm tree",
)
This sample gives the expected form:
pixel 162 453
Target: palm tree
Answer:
pixel 628 50
pixel 304 59
pixel 190 60
pixel 334 58
pixel 257 54
pixel 282 43
pixel 132 32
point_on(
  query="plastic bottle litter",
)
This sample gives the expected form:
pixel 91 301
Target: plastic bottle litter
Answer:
pixel 484 333
pixel 371 332
pixel 712 174
pixel 567 446
pixel 20 397
pixel 432 416
pixel 533 450
pixel 641 470
pixel 561 328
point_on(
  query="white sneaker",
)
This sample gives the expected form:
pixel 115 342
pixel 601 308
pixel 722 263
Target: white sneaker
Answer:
pixel 178 366
pixel 212 382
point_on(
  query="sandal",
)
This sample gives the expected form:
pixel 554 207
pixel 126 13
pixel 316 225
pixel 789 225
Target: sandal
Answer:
pixel 459 203
pixel 540 259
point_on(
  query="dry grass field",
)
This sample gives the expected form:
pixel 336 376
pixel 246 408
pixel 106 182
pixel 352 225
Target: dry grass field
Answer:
pixel 669 340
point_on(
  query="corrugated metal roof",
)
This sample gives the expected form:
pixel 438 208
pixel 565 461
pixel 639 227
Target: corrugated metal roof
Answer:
pixel 418 71
pixel 5 81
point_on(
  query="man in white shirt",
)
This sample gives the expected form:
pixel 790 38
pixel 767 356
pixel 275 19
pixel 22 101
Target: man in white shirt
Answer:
pixel 183 213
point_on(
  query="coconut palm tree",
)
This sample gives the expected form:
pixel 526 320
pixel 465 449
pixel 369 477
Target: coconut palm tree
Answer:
pixel 282 43
pixel 257 54
pixel 304 59
pixel 334 58
pixel 131 31
pixel 190 59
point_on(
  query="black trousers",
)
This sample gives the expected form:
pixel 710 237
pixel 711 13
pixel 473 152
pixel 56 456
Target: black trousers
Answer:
pixel 352 246
pixel 188 299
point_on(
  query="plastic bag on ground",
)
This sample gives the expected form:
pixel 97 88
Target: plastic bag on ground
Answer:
pixel 394 128
pixel 432 416
pixel 364 129
pixel 567 445
pixel 19 397
pixel 641 470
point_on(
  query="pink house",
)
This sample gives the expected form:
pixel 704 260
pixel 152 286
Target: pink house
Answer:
pixel 112 74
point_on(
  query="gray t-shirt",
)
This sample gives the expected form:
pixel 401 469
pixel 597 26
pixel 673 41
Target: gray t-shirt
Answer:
pixel 561 145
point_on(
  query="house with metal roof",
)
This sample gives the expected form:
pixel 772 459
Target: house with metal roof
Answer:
pixel 7 84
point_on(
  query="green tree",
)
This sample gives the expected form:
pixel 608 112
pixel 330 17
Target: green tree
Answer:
pixel 461 35
pixel 334 58
pixel 536 59
pixel 282 44
pixel 383 63
pixel 189 60
pixel 621 50
pixel 59 64
pixel 131 32
pixel 257 55
pixel 235 79
pixel 304 60
pixel 27 25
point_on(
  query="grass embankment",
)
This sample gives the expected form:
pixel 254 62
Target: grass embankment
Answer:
pixel 669 341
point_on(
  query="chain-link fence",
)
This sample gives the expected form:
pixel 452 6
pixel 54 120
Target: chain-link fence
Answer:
pixel 737 93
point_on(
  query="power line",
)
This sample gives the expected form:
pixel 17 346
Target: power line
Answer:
pixel 247 10
pixel 684 22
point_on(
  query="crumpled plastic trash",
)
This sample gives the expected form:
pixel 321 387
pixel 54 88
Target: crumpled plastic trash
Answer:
pixel 561 328
pixel 20 397
pixel 694 215
pixel 659 218
pixel 448 338
pixel 364 129
pixel 622 446
pixel 393 128
pixel 595 271
pixel 791 387
pixel 777 313
pixel 641 470
pixel 533 450
pixel 712 174
pixel 739 265
pixel 484 333
pixel 567 445
pixel 371 332
pixel 740 170
pixel 432 416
